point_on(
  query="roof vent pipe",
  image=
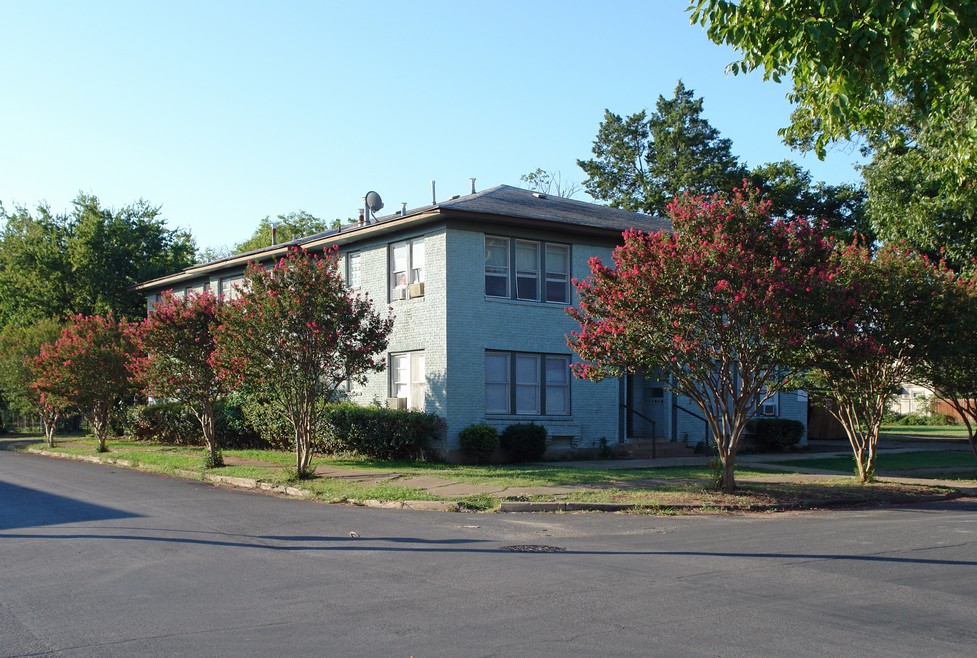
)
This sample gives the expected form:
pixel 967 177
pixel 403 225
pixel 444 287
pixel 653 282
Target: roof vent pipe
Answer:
pixel 403 208
pixel 434 197
pixel 473 185
pixel 274 233
pixel 361 219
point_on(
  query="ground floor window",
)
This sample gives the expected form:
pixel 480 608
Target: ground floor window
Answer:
pixel 525 383
pixel 407 378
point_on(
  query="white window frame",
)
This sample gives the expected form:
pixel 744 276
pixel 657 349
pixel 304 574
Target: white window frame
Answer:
pixel 497 271
pixel 408 379
pixel 354 270
pixel 541 388
pixel 558 278
pixel 413 271
pixel 527 274
pixel 230 287
pixel 502 383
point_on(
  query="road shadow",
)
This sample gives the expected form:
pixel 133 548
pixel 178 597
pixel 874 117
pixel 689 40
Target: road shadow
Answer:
pixel 21 507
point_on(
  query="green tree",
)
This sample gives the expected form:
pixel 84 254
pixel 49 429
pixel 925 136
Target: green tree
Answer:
pixel 903 305
pixel 294 336
pixel 288 227
pixel 19 346
pixel 792 193
pixel 178 342
pixel 36 280
pixel 849 61
pixel 88 366
pixel 84 261
pixel 722 307
pixel 908 201
pixel 642 162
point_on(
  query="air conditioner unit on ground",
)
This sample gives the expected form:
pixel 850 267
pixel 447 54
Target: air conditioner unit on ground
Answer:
pixel 415 290
pixel 396 403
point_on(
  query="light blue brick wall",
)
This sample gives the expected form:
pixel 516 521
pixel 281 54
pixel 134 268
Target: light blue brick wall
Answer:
pixel 476 323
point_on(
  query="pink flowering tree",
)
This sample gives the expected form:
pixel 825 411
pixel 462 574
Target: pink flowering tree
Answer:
pixel 295 335
pixel 950 368
pixel 178 342
pixel 723 307
pixel 87 367
pixel 907 309
pixel 19 345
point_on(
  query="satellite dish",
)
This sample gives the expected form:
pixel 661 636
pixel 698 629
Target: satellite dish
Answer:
pixel 373 202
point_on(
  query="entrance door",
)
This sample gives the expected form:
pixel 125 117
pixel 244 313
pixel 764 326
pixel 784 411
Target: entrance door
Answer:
pixel 646 402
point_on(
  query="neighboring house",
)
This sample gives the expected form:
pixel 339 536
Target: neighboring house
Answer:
pixel 911 399
pixel 479 285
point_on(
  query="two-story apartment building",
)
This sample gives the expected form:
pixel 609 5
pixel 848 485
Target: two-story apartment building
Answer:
pixel 479 285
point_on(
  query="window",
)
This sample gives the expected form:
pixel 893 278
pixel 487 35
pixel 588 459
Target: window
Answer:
pixel 496 267
pixel 558 273
pixel 771 407
pixel 406 266
pixel 541 271
pixel 527 270
pixel 353 275
pixel 407 379
pixel 527 384
pixel 230 287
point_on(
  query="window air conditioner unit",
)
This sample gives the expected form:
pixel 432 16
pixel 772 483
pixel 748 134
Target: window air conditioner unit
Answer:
pixel 415 290
pixel 768 410
pixel 400 293
pixel 396 403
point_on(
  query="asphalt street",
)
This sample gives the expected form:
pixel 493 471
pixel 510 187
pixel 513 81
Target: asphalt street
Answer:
pixel 101 561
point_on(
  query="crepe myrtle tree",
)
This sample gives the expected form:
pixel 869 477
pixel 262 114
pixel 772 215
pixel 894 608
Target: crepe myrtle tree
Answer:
pixel 87 367
pixel 295 334
pixel 723 306
pixel 908 309
pixel 19 345
pixel 177 341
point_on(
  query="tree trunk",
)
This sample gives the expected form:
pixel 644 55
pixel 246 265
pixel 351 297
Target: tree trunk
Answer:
pixel 728 482
pixel 50 423
pixel 206 417
pixel 303 446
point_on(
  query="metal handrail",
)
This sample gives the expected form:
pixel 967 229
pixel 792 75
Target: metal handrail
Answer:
pixel 654 429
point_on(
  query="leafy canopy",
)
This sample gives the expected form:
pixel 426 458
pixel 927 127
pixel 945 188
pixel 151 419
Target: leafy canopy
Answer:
pixel 850 60
pixel 295 335
pixel 724 307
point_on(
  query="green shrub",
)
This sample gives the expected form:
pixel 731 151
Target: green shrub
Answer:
pixel 273 428
pixel 941 419
pixel 524 442
pixel 378 433
pixel 232 427
pixel 163 422
pixel 478 442
pixel 772 434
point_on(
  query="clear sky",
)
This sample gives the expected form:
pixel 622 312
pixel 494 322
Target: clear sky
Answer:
pixel 223 112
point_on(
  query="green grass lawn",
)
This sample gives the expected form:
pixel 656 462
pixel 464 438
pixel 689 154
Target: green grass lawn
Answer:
pixel 360 479
pixel 904 461
pixel 897 431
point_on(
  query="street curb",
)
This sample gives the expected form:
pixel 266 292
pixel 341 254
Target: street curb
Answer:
pixel 513 506
pixel 425 505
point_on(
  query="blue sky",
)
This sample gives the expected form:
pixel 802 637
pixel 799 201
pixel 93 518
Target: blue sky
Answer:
pixel 224 112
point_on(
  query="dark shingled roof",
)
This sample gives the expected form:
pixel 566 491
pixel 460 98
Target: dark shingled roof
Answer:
pixel 508 201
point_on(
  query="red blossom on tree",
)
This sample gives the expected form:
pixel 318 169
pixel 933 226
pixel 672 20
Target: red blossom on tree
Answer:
pixel 295 335
pixel 87 367
pixel 177 340
pixel 722 307
pixel 907 313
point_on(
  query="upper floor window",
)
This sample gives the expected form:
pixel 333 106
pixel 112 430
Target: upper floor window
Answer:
pixel 541 271
pixel 354 277
pixel 406 265
pixel 230 287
